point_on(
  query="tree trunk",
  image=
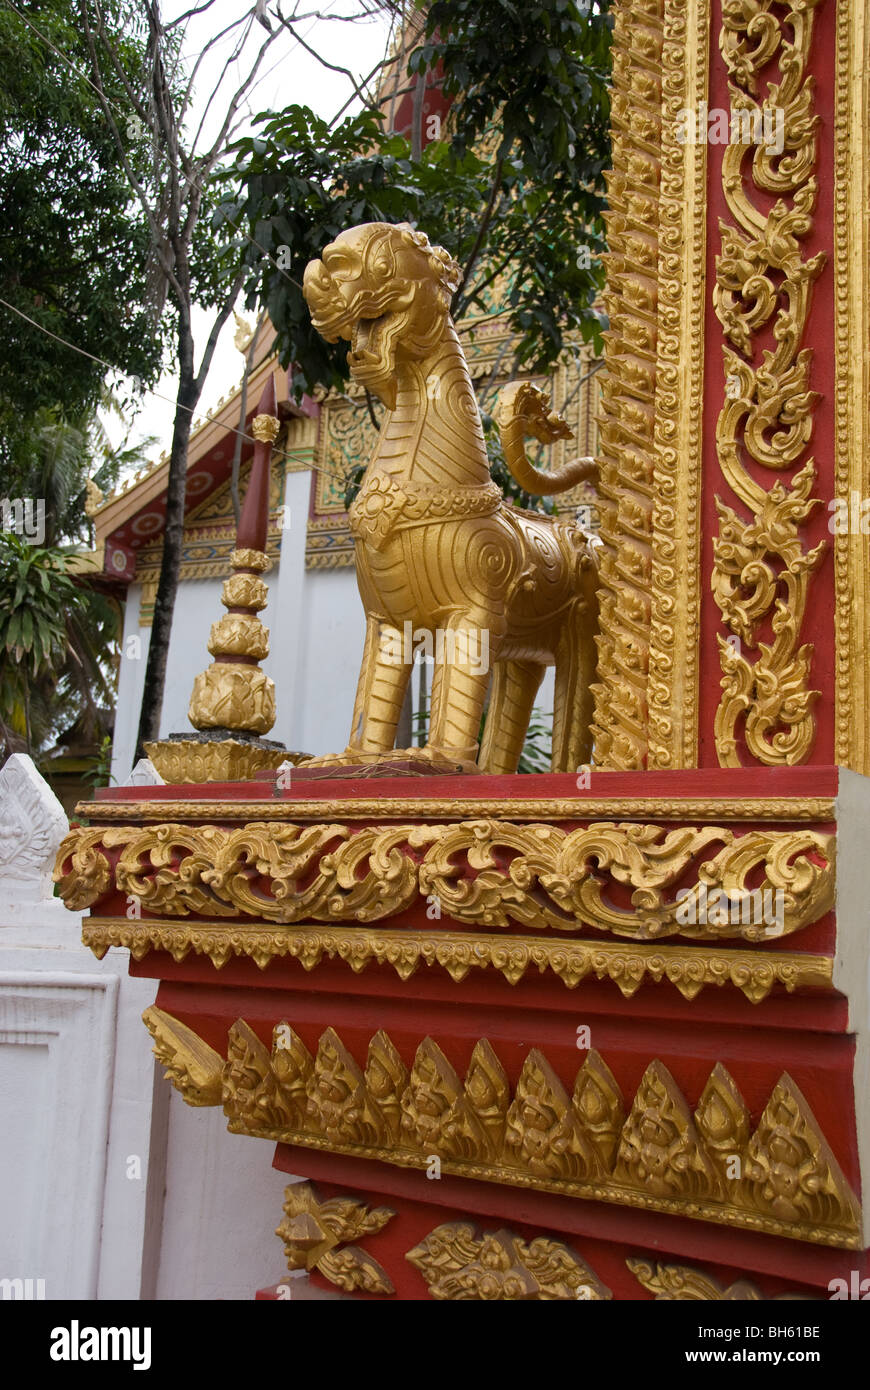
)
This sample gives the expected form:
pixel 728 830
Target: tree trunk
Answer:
pixel 167 587
pixel 417 117
pixel 27 715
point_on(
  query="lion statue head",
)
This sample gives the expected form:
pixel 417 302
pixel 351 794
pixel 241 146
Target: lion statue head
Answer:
pixel 385 289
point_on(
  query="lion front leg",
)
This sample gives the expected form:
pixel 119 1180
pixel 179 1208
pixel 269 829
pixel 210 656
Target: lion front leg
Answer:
pixel 384 676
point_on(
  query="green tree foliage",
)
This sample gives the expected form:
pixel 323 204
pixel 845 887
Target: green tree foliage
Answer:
pixel 36 595
pixel 57 645
pixel 73 246
pixel 516 190
pixel 56 636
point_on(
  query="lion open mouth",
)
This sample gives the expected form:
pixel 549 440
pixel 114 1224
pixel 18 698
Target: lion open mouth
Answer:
pixel 364 338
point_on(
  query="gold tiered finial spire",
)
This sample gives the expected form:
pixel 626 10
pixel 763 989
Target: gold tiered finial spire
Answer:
pixel 233 693
pixel 233 702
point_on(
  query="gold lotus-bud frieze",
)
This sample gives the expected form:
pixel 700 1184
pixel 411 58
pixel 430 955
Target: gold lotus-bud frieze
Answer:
pixel 774 1173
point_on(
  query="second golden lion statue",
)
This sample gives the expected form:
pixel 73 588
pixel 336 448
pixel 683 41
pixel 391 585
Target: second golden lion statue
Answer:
pixel 504 592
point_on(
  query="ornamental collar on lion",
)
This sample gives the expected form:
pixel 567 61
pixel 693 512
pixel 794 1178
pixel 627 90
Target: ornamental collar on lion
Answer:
pixel 387 290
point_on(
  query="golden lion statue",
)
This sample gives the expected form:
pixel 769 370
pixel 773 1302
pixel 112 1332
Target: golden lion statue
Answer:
pixel 439 553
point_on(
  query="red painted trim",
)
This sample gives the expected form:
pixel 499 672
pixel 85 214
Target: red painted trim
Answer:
pixel 602 1235
pixel 693 783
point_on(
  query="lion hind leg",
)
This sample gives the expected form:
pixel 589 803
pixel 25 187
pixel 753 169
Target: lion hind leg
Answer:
pixel 514 687
pixel 573 704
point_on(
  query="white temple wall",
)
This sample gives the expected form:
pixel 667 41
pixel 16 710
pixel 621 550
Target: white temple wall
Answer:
pixel 131 678
pixel 332 639
pixel 110 1186
pixel 316 631
pixel 76 1081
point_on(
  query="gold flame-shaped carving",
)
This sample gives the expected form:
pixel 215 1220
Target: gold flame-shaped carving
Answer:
pixel 786 1181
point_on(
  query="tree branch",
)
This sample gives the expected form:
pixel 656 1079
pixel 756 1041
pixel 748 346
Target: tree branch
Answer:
pixel 220 320
pixel 333 67
pixel 481 233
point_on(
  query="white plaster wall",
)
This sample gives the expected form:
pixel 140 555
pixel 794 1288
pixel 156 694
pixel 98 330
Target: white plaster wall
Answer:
pixel 332 639
pixel 288 594
pixel 75 1078
pixel 852 961
pixel 198 606
pixel 223 1202
pixel 110 1186
pixel 131 678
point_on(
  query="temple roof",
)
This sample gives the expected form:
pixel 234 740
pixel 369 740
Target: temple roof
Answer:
pixel 133 517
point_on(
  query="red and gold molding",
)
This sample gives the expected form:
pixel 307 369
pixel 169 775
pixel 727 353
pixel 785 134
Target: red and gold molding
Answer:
pixel 513 885
pixel 777 1176
pixel 405 950
pixel 618 879
pixel 569 1052
pixel 457 1255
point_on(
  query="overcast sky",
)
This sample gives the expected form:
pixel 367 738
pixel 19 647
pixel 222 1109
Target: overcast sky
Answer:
pixel 288 75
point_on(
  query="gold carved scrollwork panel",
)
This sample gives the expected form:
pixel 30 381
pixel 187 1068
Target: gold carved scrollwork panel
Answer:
pixel 762 566
pixel 630 880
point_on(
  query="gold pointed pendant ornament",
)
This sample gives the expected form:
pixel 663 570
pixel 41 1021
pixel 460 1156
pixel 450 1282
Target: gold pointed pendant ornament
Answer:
pixel 233 702
pixel 493 593
pixel 590 1141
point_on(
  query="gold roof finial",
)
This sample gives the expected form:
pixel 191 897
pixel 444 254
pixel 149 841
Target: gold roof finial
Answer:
pixel 243 334
pixel 93 498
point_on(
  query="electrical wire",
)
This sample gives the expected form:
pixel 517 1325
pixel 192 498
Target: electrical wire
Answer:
pixel 64 342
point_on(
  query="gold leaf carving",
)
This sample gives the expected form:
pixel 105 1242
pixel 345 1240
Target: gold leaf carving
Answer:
pixel 367 808
pixel 386 1078
pixel 723 1122
pixel 488 1094
pixel 544 1134
pixel 83 870
pixel 251 1082
pixel 682 1283
pixel 265 428
pixel 787 1182
pixel 555 878
pixel 761 568
pixel 790 1169
pixel 459 1265
pixel 628 390
pixel 338 1098
pixel 292 1064
pixel 674 594
pixel 598 1103
pixel 316 1235
pixel 660 1149
pixel 405 949
pixel 438 1115
pixel 191 1065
